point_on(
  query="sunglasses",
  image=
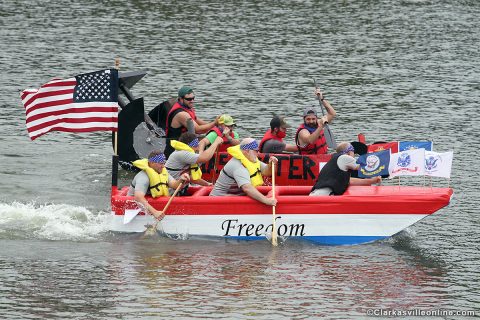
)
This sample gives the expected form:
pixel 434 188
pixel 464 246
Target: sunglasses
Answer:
pixel 189 99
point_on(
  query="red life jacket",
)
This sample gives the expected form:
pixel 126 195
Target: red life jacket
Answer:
pixel 226 144
pixel 177 107
pixel 319 147
pixel 268 136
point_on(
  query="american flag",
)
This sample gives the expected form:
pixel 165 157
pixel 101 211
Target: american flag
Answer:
pixel 88 102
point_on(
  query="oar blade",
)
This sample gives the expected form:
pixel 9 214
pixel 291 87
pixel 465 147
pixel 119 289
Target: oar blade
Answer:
pixel 151 230
pixel 329 137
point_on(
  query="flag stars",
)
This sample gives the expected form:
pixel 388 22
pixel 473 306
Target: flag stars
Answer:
pixel 94 86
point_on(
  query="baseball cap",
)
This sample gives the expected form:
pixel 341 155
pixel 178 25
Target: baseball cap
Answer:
pixel 184 91
pixel 309 110
pixel 278 121
pixel 226 120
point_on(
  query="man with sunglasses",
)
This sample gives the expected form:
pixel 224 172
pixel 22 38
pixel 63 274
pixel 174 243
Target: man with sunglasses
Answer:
pixel 182 118
pixel 335 176
pixel 224 129
pixel 244 172
pixel 272 141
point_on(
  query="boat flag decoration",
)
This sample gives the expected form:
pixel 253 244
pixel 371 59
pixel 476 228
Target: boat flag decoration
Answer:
pixel 438 164
pixel 84 103
pixel 393 146
pixel 407 163
pixel 374 164
pixel 408 145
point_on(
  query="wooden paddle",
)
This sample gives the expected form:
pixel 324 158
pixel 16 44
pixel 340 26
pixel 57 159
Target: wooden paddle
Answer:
pixel 152 229
pixel 326 128
pixel 274 228
pixel 215 161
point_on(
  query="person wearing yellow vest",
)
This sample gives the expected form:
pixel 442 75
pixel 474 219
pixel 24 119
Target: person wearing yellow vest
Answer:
pixel 244 172
pixel 153 180
pixel 185 158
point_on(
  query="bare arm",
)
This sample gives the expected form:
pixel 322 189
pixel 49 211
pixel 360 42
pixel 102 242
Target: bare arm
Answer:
pixel 181 118
pixel 232 141
pixel 291 148
pixel 331 113
pixel 201 182
pixel 175 183
pixel 140 197
pixel 306 137
pixel 365 182
pixel 253 193
pixel 203 144
pixel 208 154
pixel 267 172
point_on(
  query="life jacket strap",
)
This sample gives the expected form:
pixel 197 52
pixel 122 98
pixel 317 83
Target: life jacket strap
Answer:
pixel 225 172
pixel 255 173
pixel 170 169
pixel 157 186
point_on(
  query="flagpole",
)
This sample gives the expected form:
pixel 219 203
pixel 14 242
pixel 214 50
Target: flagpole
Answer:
pixel 115 144
pixel 117 66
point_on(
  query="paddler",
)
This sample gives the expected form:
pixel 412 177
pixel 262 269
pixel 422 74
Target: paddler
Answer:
pixel 272 141
pixel 182 118
pixel 244 172
pixel 335 176
pixel 225 130
pixel 185 158
pixel 310 137
pixel 153 180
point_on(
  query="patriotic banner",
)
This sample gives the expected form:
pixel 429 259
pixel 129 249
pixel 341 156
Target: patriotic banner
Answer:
pixel 393 146
pixel 407 163
pixel 88 102
pixel 374 164
pixel 438 164
pixel 408 145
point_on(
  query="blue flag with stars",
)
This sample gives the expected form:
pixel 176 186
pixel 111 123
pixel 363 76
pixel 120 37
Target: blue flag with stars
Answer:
pixel 374 164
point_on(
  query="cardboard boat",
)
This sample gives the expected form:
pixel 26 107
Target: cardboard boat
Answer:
pixel 363 214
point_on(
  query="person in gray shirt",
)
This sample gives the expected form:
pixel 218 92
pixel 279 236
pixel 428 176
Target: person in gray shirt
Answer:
pixel 234 179
pixel 181 161
pixel 140 186
pixel 272 141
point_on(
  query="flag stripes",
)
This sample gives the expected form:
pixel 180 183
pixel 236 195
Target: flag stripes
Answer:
pixel 54 106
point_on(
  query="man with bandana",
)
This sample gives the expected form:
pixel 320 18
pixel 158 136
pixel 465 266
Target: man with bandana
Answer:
pixel 272 141
pixel 244 172
pixel 186 159
pixel 153 180
pixel 335 176
pixel 310 138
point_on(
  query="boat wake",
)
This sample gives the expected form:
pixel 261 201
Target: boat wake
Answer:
pixel 51 222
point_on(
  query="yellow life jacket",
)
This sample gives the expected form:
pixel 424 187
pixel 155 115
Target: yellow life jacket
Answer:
pixel 158 181
pixel 252 167
pixel 195 171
